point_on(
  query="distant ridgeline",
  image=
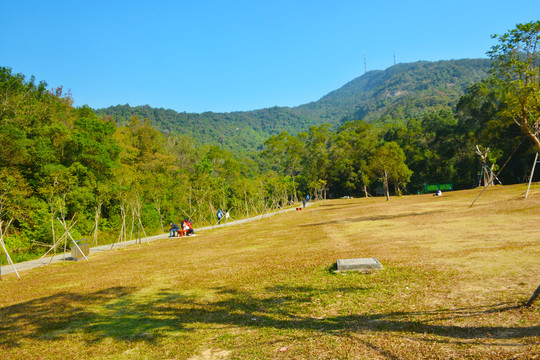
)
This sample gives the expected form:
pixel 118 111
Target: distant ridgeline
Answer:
pixel 382 96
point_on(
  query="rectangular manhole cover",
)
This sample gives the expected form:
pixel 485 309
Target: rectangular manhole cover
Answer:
pixel 366 264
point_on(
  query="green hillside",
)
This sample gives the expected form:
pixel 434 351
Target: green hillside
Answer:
pixel 406 90
pixel 399 92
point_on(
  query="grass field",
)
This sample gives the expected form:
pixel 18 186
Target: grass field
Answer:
pixel 453 283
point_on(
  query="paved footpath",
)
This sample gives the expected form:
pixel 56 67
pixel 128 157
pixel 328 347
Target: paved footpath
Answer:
pixel 7 269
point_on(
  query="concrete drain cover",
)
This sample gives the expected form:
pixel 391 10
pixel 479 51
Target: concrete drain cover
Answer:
pixel 367 264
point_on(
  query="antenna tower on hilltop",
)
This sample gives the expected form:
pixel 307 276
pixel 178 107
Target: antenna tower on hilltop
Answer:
pixel 394 58
pixel 365 63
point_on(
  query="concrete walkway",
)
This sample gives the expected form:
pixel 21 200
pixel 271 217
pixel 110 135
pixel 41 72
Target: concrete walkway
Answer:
pixel 8 269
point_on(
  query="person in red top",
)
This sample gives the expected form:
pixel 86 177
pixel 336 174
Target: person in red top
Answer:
pixel 186 225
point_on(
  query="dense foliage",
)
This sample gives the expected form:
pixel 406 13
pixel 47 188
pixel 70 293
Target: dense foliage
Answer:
pixel 60 165
pixel 517 66
pixel 399 92
pixel 119 172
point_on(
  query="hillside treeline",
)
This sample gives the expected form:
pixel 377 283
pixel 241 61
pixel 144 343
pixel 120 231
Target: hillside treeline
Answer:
pixel 379 96
pixel 438 147
pixel 62 166
pixel 65 165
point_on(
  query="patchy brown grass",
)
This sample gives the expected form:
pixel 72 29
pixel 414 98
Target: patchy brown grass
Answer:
pixel 453 281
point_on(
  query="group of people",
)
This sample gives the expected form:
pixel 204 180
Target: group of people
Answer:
pixel 220 215
pixel 185 225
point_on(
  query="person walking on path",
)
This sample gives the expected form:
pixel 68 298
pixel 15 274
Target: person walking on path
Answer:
pixel 219 216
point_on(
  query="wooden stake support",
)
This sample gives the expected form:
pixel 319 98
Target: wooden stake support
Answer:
pixel 63 237
pixel 122 235
pixel 532 174
pixel 137 212
pixel 2 233
pixel 71 237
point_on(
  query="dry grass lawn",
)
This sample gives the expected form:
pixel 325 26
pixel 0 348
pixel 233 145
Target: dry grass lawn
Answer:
pixel 453 283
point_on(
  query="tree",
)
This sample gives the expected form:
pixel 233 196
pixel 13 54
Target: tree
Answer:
pixel 388 163
pixel 317 160
pixel 349 153
pixel 516 63
pixel 285 151
pixel 14 194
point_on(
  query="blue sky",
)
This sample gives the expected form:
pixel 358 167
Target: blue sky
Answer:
pixel 222 56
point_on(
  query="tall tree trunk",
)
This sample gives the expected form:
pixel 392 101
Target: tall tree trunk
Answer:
pixel 123 235
pixel 132 221
pixel 386 190
pixel 96 224
pixel 245 199
pixel 53 234
pixel 190 207
pixel 63 210
pixel 523 124
pixel 158 208
pixel 294 190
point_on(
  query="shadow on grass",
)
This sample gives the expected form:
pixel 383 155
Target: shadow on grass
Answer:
pixel 333 207
pixel 47 317
pixel 123 314
pixel 357 219
pixel 278 312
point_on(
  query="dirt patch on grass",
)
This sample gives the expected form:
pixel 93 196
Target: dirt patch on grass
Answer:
pixel 211 354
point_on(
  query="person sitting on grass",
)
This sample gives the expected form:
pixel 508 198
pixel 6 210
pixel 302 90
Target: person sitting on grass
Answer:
pixel 174 229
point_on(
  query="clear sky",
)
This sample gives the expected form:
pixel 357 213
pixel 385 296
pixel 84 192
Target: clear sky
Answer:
pixel 231 55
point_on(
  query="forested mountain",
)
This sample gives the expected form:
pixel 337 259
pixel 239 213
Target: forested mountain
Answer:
pixel 392 95
pixel 400 130
pixel 404 90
